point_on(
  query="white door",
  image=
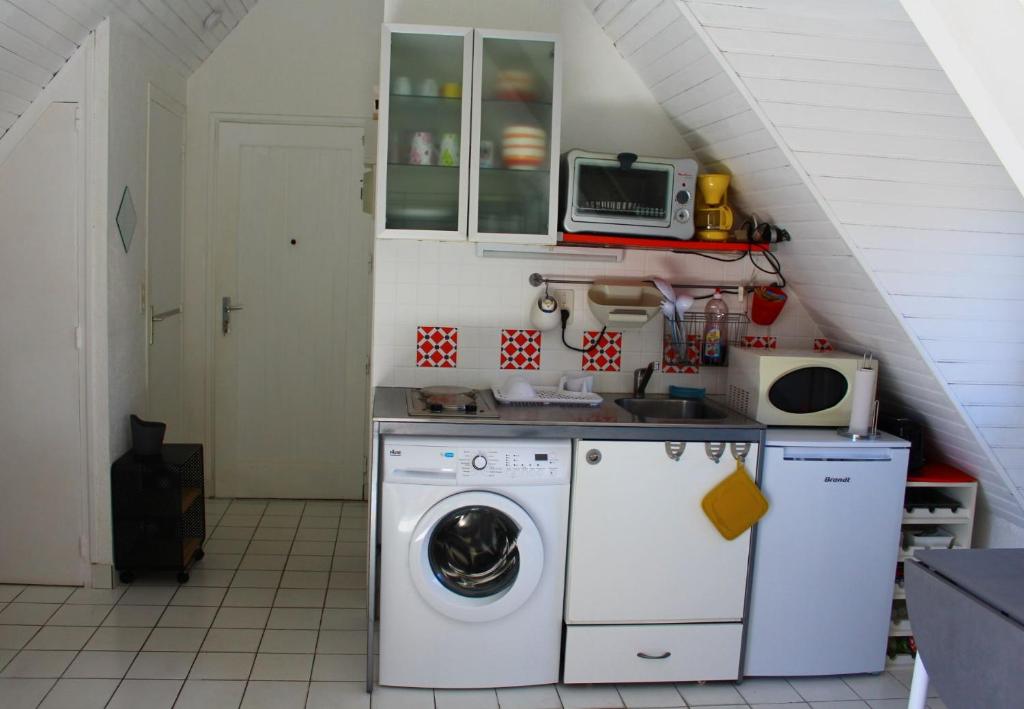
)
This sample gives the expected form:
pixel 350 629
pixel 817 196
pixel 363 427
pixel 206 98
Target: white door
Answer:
pixel 164 201
pixel 641 548
pixel 292 249
pixel 41 503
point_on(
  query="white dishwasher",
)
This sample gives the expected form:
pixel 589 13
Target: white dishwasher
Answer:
pixel 654 593
pixel 826 552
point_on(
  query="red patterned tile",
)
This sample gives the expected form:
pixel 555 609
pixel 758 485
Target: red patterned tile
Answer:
pixel 822 345
pixel 604 355
pixel 760 342
pixel 672 363
pixel 437 346
pixel 520 349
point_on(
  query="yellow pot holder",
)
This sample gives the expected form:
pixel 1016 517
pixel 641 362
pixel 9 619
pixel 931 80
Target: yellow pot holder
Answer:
pixel 735 504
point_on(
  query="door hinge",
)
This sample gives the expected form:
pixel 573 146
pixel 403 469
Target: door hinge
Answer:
pixel 367 367
pixel 79 339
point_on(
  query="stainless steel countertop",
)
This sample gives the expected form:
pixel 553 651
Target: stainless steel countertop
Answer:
pixel 608 420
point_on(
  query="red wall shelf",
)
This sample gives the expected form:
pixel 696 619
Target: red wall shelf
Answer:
pixel 940 473
pixel 655 242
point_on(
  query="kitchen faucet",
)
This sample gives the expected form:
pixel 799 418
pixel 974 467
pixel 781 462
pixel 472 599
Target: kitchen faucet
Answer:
pixel 641 377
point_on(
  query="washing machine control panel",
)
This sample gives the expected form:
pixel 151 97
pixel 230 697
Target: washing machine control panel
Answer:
pixel 476 462
pixel 535 464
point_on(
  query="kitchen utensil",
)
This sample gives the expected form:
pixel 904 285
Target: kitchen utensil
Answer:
pixel 422 151
pixel 623 306
pixel 576 382
pixel 713 216
pixel 428 87
pixel 666 290
pixel 523 147
pixel 487 154
pixel 682 304
pixel 516 387
pixel 544 313
pixel 551 396
pixel 515 85
pixel 451 89
pixel 735 504
pixel 449 154
pixel 766 304
pixel 678 392
pixel 401 86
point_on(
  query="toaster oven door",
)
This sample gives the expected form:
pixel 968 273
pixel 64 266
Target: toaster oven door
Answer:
pixel 607 193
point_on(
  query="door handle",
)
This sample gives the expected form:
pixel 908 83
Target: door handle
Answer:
pixel 226 308
pixel 661 656
pixel 159 317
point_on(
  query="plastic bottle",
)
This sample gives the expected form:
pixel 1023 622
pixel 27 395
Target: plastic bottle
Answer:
pixel 716 336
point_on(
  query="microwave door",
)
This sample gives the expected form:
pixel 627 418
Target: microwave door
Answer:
pixel 808 390
pixel 607 193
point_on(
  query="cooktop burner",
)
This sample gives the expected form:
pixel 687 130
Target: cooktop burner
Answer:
pixel 450 402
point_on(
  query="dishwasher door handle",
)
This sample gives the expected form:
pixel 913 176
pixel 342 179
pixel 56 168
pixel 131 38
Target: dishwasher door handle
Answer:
pixel 660 656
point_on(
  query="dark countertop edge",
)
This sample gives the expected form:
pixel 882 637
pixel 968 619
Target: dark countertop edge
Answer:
pixel 633 432
pixel 607 420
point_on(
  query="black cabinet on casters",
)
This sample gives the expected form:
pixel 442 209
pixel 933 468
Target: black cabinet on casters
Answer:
pixel 159 510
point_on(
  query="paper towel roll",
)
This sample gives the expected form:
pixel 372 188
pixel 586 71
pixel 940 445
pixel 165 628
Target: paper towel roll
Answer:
pixel 863 400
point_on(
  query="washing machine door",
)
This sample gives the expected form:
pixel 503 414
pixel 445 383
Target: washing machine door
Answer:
pixel 476 556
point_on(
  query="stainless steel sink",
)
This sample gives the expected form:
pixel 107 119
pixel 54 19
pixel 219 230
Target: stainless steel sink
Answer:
pixel 672 410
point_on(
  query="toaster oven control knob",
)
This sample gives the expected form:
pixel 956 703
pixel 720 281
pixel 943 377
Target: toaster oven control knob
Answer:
pixel 479 462
pixel 683 215
pixel 682 196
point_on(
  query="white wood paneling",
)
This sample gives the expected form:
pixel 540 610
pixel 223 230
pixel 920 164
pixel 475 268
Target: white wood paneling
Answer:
pixel 834 118
pixel 38 36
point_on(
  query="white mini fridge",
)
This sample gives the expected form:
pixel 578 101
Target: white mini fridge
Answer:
pixel 825 555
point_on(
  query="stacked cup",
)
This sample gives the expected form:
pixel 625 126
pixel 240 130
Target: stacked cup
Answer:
pixel 524 147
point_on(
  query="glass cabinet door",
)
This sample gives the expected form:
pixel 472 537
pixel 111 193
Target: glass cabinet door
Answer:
pixel 422 170
pixel 516 123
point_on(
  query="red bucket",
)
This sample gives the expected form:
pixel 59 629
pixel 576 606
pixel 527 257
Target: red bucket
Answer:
pixel 768 302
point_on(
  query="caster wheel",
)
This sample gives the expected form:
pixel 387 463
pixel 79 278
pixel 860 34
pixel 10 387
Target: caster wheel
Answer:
pixel 126 577
pixel 182 577
pixel 199 554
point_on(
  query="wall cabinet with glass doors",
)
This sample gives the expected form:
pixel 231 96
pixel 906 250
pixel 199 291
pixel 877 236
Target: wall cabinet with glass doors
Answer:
pixel 468 139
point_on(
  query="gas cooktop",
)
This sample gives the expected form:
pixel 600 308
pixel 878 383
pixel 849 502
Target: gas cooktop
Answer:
pixel 451 402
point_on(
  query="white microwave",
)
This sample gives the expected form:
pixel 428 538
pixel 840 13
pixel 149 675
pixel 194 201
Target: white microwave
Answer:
pixel 793 387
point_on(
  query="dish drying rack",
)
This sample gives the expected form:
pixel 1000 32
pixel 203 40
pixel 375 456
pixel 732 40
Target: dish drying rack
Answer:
pixel 684 341
pixel 550 396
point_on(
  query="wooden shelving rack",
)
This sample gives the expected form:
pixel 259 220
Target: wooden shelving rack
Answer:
pixel 955 484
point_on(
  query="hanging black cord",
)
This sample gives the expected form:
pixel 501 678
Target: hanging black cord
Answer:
pixel 593 343
pixel 775 267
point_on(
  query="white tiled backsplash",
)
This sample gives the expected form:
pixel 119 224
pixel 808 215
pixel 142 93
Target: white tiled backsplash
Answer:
pixel 440 284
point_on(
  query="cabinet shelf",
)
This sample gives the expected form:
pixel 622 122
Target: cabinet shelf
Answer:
pixel 514 102
pixel 454 100
pixel 422 167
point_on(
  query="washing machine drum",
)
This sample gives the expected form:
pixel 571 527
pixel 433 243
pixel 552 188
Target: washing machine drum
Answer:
pixel 476 556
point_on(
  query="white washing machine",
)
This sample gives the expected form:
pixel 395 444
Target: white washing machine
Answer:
pixel 473 540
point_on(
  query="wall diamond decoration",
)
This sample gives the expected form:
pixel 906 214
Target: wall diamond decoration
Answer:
pixel 437 346
pixel 520 349
pixel 126 218
pixel 604 355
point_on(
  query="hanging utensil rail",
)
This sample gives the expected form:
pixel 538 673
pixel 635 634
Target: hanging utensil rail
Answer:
pixel 537 279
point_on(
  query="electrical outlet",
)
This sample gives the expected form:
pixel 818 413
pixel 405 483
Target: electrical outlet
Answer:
pixel 564 296
pixel 657 366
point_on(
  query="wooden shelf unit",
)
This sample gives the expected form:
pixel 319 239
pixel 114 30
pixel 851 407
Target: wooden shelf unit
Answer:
pixel 953 483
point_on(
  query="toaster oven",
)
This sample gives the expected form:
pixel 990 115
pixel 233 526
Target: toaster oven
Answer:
pixel 627 194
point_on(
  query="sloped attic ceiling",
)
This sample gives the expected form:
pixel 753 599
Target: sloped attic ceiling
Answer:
pixel 38 36
pixel 835 120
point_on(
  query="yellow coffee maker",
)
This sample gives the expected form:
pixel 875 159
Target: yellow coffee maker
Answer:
pixel 712 215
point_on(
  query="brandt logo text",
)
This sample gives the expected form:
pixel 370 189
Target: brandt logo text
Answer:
pixel 830 479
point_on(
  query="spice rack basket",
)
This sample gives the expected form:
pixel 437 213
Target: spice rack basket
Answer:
pixel 691 333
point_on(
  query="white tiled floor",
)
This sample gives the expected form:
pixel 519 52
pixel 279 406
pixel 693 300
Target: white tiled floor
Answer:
pixel 274 618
